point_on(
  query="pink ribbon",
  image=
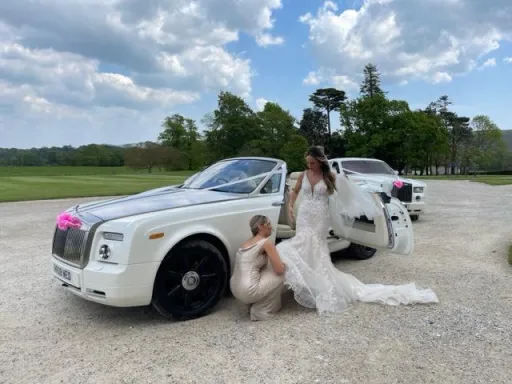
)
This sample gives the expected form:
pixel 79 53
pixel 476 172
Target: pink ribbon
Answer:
pixel 66 220
pixel 398 183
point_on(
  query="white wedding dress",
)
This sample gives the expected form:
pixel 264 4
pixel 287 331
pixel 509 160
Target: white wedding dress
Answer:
pixel 315 281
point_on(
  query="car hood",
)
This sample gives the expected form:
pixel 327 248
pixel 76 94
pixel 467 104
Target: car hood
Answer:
pixel 381 178
pixel 151 201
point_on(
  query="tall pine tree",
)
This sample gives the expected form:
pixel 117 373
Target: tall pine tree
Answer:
pixel 370 86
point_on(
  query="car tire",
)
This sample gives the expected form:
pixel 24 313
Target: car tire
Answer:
pixel 190 281
pixel 361 252
pixel 415 217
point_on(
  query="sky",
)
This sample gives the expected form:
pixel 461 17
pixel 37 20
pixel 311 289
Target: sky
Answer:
pixel 109 71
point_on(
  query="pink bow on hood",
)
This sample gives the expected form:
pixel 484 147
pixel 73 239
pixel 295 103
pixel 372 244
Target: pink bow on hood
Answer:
pixel 398 183
pixel 66 220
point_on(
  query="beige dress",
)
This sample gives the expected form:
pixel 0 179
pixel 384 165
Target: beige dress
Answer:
pixel 254 282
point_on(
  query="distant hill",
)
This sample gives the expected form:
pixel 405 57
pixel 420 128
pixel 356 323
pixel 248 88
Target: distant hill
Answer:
pixel 507 137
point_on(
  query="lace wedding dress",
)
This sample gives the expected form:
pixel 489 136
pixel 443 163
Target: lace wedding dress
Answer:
pixel 315 281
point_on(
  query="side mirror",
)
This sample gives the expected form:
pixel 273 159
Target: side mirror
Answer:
pixel 396 172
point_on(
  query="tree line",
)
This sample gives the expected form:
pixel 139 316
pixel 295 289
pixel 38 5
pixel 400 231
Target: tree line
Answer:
pixel 427 141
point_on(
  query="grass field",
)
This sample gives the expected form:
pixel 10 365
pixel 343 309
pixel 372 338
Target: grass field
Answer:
pixel 38 183
pixel 81 171
pixel 486 179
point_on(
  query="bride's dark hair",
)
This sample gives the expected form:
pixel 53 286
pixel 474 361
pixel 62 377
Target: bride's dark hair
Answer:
pixel 318 154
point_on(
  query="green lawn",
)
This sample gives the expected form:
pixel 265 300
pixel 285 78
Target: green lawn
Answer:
pixel 80 171
pixel 486 179
pixel 37 183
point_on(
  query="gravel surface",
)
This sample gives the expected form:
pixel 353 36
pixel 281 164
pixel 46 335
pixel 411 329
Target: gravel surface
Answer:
pixel 48 335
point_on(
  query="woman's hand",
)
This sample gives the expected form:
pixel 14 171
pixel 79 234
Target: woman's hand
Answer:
pixel 291 215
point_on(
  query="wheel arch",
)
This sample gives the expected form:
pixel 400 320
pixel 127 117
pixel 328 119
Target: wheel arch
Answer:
pixel 212 241
pixel 207 236
pixel 210 238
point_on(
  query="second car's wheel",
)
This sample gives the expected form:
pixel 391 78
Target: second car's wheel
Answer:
pixel 190 281
pixel 361 252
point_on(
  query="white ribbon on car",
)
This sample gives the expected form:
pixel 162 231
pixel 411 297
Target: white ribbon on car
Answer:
pixel 387 185
pixel 244 180
pixel 348 202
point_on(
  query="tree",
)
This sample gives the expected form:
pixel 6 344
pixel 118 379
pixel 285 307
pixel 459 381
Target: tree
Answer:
pixel 338 145
pixel 277 126
pixel 293 152
pixel 371 84
pixel 181 134
pixel 460 135
pixel 147 155
pixel 328 99
pixel 230 127
pixel 366 122
pixel 487 141
pixel 313 126
pixel 175 133
pixel 458 128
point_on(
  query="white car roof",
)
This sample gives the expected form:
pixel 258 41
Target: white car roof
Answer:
pixel 355 159
pixel 253 158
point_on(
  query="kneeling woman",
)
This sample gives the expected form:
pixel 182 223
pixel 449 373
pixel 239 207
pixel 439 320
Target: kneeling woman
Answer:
pixel 258 274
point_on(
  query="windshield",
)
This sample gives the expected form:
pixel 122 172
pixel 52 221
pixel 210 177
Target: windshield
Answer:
pixel 229 171
pixel 367 166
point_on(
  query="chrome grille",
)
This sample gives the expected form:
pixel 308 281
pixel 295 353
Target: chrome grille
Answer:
pixel 404 193
pixel 69 245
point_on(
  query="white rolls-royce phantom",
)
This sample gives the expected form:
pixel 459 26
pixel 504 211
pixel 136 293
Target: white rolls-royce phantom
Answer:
pixel 378 173
pixel 174 247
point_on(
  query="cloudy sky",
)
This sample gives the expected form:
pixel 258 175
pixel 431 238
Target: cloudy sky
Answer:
pixel 108 71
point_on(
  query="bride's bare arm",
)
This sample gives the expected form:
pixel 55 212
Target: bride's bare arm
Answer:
pixel 295 191
pixel 277 265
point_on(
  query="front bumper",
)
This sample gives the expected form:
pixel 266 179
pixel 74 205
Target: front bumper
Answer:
pixel 110 284
pixel 415 208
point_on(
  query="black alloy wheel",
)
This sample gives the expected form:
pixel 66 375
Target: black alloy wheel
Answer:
pixel 190 281
pixel 361 252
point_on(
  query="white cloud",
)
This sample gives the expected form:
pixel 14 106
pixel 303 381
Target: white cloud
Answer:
pixel 260 103
pixel 508 60
pixel 488 63
pixel 431 40
pixel 330 78
pixel 90 60
pixel 265 39
pixel 312 79
pixel 441 77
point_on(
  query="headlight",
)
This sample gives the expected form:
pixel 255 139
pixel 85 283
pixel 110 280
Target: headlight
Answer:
pixel 113 236
pixel 418 190
pixel 105 252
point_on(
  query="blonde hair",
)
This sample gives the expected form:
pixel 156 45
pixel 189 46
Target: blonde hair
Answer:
pixel 255 223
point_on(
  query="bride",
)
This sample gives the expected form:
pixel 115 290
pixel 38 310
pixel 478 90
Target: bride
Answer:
pixel 316 282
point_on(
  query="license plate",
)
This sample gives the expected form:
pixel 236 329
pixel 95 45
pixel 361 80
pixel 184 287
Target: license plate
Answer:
pixel 61 272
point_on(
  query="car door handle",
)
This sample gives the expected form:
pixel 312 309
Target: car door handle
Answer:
pixel 278 203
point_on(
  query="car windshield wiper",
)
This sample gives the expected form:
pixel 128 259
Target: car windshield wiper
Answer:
pixel 224 191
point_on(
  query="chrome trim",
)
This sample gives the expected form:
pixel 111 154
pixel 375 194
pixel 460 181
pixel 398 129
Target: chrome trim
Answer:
pixel 71 245
pixel 391 237
pixel 88 245
pixel 84 240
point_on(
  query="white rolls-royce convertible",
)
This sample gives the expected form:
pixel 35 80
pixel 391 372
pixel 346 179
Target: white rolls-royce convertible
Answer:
pixel 174 247
pixel 377 172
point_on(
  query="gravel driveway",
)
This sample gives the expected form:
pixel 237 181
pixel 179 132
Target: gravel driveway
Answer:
pixel 49 336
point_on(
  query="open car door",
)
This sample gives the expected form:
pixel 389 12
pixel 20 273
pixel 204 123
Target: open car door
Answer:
pixel 392 231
